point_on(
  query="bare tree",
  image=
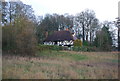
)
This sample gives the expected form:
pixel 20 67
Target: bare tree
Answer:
pixel 88 22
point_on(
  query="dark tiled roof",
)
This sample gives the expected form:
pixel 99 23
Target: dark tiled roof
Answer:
pixel 60 36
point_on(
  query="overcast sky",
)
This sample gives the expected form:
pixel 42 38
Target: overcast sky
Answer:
pixel 104 9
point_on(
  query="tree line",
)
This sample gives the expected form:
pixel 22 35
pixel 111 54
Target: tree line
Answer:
pixel 85 25
pixel 22 30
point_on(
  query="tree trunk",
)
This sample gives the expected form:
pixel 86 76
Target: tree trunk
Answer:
pixel 10 13
pixel 83 33
pixel 87 36
pixel 118 39
pixel 90 37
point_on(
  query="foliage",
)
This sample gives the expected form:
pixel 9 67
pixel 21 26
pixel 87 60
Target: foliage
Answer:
pixel 88 23
pixel 12 10
pixel 103 39
pixel 19 23
pixel 19 37
pixel 8 38
pixel 86 43
pixel 85 49
pixel 49 47
pixel 4 12
pixel 26 40
pixel 18 28
pixel 50 24
pixel 78 42
pixel 78 48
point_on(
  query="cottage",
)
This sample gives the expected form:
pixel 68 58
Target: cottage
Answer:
pixel 60 38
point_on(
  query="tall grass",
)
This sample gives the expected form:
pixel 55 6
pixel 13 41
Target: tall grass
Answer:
pixel 61 65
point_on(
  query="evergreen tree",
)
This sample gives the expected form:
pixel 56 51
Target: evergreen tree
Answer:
pixel 103 39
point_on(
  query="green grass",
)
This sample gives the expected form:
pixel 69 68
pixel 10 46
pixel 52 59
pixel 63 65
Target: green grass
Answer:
pixel 60 54
pixel 75 57
pixel 61 65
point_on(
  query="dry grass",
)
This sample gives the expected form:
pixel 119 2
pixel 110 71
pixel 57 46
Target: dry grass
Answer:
pixel 62 65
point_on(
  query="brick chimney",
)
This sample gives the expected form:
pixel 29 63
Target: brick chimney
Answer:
pixel 67 29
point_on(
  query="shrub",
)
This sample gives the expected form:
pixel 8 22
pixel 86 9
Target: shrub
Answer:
pixel 49 47
pixel 85 48
pixel 78 48
pixel 86 43
pixel 58 48
pixel 78 43
pixel 19 37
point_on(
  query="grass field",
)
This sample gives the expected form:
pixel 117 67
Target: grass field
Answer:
pixel 61 65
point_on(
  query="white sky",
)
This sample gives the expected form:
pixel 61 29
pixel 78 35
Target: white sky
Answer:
pixel 104 9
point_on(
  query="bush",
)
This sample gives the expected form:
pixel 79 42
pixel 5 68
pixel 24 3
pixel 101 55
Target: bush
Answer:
pixel 19 37
pixel 78 48
pixel 85 49
pixel 49 47
pixel 8 38
pixel 86 43
pixel 78 43
pixel 58 48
